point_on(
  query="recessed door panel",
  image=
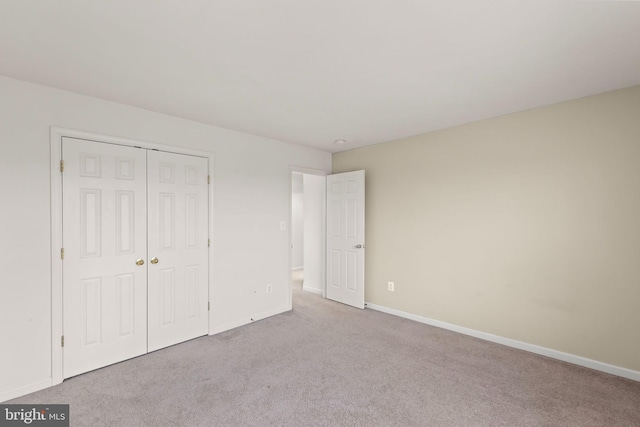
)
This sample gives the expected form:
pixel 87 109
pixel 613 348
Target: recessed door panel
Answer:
pixel 167 217
pixel 91 222
pixel 335 271
pixel 192 286
pixel 167 174
pixel 125 168
pixel 126 303
pixel 351 215
pixel 191 174
pixel 351 284
pixel 167 296
pixel 92 310
pixel 90 164
pixel 352 186
pixel 192 222
pixel 335 216
pixel 125 222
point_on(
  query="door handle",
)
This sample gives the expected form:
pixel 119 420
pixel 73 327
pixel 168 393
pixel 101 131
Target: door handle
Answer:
pixel 359 246
pixel 154 260
pixel 140 261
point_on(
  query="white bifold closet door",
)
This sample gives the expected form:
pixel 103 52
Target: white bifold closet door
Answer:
pixel 104 236
pixel 135 268
pixel 178 239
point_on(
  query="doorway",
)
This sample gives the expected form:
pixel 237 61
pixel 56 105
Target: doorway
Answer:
pixel 327 235
pixel 308 198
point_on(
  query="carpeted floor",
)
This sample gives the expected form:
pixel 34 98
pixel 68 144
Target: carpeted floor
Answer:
pixel 326 364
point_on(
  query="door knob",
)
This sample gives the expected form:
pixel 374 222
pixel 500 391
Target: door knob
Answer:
pixel 154 260
pixel 359 246
pixel 140 261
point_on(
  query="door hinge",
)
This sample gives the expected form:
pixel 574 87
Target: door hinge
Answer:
pixel 61 165
pixel 62 341
pixel 61 253
pixel 209 305
pixel 208 242
pixel 208 179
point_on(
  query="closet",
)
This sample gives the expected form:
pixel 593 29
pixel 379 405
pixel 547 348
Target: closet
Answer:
pixel 135 238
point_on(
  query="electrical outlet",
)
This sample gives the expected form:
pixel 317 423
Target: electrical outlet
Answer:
pixel 269 288
pixel 391 286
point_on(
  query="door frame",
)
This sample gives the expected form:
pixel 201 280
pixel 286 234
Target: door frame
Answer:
pixel 55 146
pixel 307 171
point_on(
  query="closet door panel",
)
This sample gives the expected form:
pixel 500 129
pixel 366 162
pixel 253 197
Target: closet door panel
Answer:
pixel 104 237
pixel 178 248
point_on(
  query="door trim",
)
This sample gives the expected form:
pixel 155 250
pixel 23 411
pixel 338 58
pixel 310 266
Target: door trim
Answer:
pixel 306 171
pixel 55 146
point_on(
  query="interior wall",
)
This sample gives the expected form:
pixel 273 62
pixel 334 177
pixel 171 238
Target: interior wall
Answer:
pixel 251 196
pixel 297 221
pixel 314 237
pixel 525 226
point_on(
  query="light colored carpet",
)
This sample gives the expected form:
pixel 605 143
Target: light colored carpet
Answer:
pixel 326 364
pixel 297 277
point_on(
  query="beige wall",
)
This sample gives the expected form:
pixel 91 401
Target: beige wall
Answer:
pixel 526 226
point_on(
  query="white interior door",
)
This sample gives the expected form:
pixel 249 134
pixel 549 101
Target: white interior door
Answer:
pixel 345 238
pixel 105 243
pixel 178 248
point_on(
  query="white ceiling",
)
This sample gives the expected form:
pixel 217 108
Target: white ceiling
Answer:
pixel 312 71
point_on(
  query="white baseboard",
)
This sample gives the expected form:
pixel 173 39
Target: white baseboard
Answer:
pixel 312 290
pixel 554 354
pixel 26 389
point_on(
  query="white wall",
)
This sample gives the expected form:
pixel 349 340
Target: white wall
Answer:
pixel 297 220
pixel 251 195
pixel 314 241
